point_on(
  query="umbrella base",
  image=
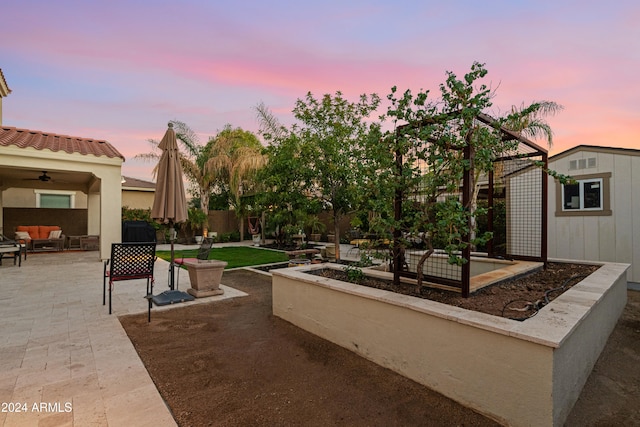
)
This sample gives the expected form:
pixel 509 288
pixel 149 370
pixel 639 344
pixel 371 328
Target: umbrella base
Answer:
pixel 171 297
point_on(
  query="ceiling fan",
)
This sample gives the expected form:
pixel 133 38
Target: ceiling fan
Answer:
pixel 44 177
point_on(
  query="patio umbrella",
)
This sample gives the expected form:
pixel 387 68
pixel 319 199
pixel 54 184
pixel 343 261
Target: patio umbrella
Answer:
pixel 169 202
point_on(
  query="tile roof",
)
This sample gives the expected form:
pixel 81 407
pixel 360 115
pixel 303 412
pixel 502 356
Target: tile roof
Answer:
pixel 24 138
pixel 139 183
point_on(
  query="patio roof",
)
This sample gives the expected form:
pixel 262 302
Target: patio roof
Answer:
pixel 24 138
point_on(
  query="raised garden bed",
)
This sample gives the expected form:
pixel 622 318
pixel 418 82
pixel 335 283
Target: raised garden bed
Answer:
pixel 519 373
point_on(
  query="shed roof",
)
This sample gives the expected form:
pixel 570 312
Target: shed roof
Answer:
pixel 39 140
pixel 595 149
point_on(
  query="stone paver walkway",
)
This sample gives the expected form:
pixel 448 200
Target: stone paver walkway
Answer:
pixel 64 361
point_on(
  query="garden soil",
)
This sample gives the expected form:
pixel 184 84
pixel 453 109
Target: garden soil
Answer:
pixel 232 363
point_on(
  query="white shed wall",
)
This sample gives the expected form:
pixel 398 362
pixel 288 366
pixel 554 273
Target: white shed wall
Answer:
pixel 613 238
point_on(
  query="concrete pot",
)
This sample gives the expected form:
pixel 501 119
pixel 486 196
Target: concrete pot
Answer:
pixel 205 277
pixel 331 251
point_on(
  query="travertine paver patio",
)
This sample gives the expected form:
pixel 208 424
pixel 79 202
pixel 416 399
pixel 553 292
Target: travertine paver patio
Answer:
pixel 63 359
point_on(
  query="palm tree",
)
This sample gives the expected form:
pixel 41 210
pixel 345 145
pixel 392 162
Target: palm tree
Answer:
pixel 236 155
pixel 530 121
pixel 227 162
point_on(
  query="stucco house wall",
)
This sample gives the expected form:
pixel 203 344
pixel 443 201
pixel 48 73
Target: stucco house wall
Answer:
pixel 26 197
pixel 611 233
pixel 137 193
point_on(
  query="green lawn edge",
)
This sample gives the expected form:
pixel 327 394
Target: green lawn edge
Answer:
pixel 241 256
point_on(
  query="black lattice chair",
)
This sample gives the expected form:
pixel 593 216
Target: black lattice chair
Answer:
pixel 130 261
pixel 203 254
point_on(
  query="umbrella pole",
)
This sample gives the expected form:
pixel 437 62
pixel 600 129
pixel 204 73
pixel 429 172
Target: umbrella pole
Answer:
pixel 172 265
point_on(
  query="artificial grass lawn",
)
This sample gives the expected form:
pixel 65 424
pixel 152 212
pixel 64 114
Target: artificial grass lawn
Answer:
pixel 240 256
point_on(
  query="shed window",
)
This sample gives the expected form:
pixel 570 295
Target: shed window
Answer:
pixel 584 195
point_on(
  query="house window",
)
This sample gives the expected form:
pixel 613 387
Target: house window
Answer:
pixel 586 195
pixel 583 195
pixel 55 199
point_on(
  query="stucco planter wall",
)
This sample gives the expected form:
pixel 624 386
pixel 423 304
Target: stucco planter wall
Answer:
pixel 519 373
pixel 205 276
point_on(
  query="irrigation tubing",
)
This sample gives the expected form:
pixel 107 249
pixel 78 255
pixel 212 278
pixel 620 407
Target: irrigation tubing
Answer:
pixel 532 308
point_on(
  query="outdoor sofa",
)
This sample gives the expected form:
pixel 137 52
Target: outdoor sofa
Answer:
pixel 40 237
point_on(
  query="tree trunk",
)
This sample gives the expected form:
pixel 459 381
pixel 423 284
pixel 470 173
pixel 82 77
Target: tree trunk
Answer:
pixel 241 226
pixel 204 202
pixel 423 259
pixel 336 230
pixel 472 212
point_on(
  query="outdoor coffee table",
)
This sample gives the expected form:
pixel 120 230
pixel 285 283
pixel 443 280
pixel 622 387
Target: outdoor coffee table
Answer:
pixel 47 244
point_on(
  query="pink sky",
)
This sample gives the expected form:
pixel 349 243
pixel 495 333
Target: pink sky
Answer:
pixel 120 70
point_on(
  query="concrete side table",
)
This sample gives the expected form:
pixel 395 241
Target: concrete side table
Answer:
pixel 205 277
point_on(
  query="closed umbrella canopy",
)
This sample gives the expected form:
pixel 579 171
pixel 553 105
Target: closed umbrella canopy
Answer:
pixel 169 202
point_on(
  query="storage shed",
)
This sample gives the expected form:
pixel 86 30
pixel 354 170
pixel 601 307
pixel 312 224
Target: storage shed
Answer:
pixel 597 216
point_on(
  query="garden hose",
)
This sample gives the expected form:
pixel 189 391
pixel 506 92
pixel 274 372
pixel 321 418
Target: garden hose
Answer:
pixel 534 307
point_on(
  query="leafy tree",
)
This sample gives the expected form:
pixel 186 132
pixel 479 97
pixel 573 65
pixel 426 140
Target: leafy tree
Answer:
pixel 321 156
pixel 432 146
pixel 286 194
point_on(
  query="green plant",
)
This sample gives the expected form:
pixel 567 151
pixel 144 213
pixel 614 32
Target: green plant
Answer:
pixel 197 219
pixel 354 273
pixel 365 260
pixel 320 158
pixel 317 226
pixel 133 214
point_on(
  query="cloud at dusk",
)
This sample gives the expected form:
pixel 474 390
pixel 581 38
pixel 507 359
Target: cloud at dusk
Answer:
pixel 120 70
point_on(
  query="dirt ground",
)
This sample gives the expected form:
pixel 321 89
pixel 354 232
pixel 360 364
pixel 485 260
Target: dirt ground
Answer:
pixel 509 299
pixel 232 363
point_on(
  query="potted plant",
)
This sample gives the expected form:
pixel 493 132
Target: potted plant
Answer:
pixel 317 227
pixel 254 229
pixel 197 221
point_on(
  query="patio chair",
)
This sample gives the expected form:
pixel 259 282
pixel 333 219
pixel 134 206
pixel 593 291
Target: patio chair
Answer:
pixel 11 248
pixel 130 261
pixel 203 254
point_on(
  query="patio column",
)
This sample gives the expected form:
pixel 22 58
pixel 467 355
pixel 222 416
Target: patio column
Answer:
pixel 93 213
pixel 1 216
pixel 110 210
